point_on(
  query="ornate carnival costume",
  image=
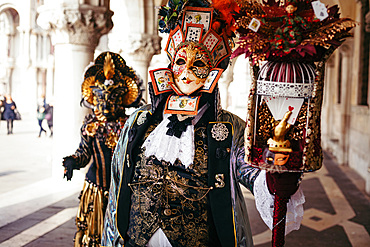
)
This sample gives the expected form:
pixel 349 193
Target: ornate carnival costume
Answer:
pixel 179 161
pixel 288 43
pixel 108 88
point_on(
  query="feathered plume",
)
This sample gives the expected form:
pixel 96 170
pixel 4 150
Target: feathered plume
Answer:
pixel 108 67
pixel 226 8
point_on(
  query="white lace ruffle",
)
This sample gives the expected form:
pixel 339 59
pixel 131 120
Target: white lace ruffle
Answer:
pixel 170 148
pixel 265 205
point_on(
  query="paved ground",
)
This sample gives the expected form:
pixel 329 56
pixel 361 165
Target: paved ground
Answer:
pixel 38 210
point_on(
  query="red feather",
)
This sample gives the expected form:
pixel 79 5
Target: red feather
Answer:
pixel 226 8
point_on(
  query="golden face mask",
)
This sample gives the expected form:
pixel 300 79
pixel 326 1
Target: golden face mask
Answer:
pixel 277 159
pixel 191 68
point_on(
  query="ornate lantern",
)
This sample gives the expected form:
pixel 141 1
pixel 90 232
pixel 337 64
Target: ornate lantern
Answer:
pixel 283 125
pixel 283 133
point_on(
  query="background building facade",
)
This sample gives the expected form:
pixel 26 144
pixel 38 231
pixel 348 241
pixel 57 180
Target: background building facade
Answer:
pixel 26 54
pixel 45 46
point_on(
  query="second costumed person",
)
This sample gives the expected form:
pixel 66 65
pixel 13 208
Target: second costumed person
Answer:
pixel 109 87
pixel 179 161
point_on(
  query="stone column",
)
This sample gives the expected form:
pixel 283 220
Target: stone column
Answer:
pixel 75 30
pixel 345 49
pixel 139 50
pixel 329 101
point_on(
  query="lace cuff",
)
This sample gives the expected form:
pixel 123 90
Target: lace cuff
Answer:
pixel 265 205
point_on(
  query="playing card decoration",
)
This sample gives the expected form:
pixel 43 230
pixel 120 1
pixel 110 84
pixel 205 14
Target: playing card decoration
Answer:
pixel 320 10
pixel 254 25
pixel 200 16
pixel 161 80
pixel 184 104
pixel 196 28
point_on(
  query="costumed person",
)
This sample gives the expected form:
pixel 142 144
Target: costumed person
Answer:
pixel 109 87
pixel 9 112
pixel 282 134
pixel 179 161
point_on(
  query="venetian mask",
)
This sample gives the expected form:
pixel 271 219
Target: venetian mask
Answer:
pixel 277 159
pixel 191 67
pixel 108 103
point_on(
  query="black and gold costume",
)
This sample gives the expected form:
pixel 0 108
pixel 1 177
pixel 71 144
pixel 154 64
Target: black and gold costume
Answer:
pixel 200 205
pixel 109 87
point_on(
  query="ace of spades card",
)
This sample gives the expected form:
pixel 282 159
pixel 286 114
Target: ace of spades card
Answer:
pixel 280 105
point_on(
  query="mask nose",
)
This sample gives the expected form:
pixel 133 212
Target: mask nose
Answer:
pixel 186 74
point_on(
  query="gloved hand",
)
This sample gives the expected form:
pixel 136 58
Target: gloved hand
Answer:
pixel 69 164
pixel 283 184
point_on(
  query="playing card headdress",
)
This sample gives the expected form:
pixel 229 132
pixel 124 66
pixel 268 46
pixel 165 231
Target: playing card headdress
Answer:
pixel 112 81
pixel 287 52
pixel 202 25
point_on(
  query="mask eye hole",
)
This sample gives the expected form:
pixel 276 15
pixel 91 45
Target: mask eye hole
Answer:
pixel 199 63
pixel 180 61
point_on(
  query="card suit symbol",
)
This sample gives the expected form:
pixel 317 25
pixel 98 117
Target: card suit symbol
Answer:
pixel 291 108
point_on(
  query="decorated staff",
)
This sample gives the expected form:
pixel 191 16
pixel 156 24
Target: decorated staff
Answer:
pixel 109 87
pixel 288 43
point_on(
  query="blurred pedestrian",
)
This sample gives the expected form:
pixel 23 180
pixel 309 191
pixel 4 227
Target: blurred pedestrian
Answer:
pixel 41 114
pixel 49 116
pixel 9 114
pixel 1 107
